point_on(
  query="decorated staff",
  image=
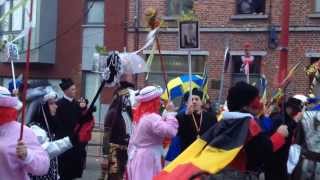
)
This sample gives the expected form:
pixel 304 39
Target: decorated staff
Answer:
pixel 13 54
pixel 118 121
pixel 247 60
pixel 279 96
pixel 154 23
pixel 111 69
pixel 26 73
pixel 313 72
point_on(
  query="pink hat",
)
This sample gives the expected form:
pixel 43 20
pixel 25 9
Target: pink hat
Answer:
pixel 148 93
pixel 6 100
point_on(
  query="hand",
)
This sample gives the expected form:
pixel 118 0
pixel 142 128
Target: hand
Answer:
pixel 21 150
pixel 298 117
pixel 170 107
pixel 283 130
pixel 15 92
pixel 189 109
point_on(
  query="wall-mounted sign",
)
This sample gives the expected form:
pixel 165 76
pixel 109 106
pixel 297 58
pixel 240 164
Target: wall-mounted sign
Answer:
pixel 189 35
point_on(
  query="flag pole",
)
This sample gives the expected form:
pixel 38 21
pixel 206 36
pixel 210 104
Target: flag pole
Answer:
pixel 204 82
pixel 13 75
pixel 190 74
pixel 163 69
pixel 26 72
pixel 222 75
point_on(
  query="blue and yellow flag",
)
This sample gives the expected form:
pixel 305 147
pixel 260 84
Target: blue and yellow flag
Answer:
pixel 180 85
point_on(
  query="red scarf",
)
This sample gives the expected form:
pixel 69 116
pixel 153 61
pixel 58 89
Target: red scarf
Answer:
pixel 152 106
pixel 7 115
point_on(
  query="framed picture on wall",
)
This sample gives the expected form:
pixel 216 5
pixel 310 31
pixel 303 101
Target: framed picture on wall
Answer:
pixel 189 35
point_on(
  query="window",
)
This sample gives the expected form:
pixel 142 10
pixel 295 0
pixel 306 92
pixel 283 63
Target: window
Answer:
pixel 175 65
pixel 177 7
pixel 251 6
pixel 96 12
pixel 91 37
pixel 13 22
pixel 317 6
pixel 238 74
pixel 91 85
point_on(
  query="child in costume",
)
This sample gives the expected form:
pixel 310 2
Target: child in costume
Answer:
pixel 145 144
pixel 18 158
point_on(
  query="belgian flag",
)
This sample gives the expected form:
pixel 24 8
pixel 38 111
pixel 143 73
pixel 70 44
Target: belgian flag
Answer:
pixel 212 152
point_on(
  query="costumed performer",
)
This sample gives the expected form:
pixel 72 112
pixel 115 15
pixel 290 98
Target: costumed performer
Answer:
pixel 18 158
pixel 145 146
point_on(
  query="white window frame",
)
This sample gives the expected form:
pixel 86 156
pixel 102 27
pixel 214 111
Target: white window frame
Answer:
pixel 96 3
pixel 176 14
pixel 252 13
pixel 204 54
pixel 11 17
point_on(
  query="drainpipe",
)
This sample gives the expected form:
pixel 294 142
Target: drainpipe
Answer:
pixel 136 29
pixel 283 63
pixel 126 15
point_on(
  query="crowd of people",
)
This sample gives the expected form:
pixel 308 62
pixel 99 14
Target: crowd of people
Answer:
pixel 270 146
pixel 136 127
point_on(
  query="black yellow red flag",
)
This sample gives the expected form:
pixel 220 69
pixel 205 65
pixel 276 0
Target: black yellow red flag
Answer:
pixel 211 152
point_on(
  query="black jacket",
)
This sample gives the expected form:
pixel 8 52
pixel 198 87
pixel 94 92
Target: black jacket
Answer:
pixel 71 163
pixel 277 169
pixel 187 130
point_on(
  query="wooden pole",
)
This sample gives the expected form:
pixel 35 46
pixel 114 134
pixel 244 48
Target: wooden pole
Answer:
pixel 26 72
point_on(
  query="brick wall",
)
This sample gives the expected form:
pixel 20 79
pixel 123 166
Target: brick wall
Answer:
pixel 216 14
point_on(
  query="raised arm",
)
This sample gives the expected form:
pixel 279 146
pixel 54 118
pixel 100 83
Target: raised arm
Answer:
pixel 165 126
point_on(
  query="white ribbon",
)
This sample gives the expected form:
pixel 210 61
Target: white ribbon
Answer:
pixel 149 41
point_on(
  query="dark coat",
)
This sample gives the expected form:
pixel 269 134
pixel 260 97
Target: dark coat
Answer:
pixel 278 164
pixel 114 121
pixel 71 163
pixel 116 137
pixel 187 130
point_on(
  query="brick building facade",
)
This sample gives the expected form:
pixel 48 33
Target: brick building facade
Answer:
pixel 120 23
pixel 222 23
pixel 64 39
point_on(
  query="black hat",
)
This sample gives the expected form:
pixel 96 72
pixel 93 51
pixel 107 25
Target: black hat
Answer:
pixel 240 95
pixel 66 83
pixel 295 104
pixel 195 91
